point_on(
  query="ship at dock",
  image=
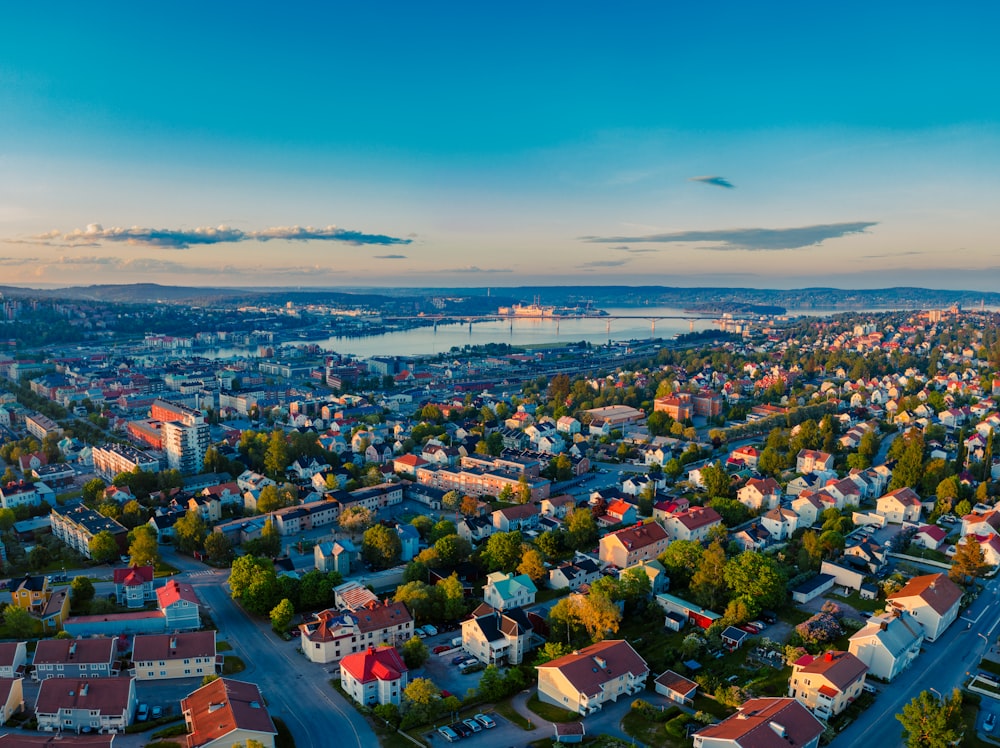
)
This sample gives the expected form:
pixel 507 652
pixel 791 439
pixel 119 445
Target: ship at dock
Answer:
pixel 535 310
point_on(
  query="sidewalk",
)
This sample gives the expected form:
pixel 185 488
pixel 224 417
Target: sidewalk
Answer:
pixel 607 721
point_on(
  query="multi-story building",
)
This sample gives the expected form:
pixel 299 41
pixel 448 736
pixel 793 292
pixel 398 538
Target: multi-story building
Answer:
pixel 185 445
pixel 40 426
pixel 225 713
pixel 584 681
pixel 19 493
pixel 103 705
pixel 76 658
pixel 763 723
pixel 164 656
pixel 332 634
pixel 497 636
pixel 76 526
pixel 112 459
pixel 375 676
pixel 827 683
pixel 631 545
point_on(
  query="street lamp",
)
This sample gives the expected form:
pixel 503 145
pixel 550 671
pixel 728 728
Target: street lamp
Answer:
pixel 935 692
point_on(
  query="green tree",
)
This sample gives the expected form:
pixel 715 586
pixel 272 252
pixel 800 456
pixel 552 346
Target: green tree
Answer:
pixel 381 546
pixel 708 584
pixel 929 722
pixel 245 570
pixel 581 529
pixel 441 529
pixel 523 489
pixel 316 588
pixel 551 651
pixel 218 548
pixel 103 547
pixel 716 480
pixel 451 500
pixel 19 623
pixel 634 585
pixel 356 519
pixel 756 577
pixel 276 457
pixel 452 597
pixel 273 498
pixel 190 532
pixel 281 615
pixel 963 508
pixel 422 692
pixel 681 559
pixel 452 549
pixel 424 524
pixel 503 551
pixel 93 491
pixel 420 598
pixel 968 563
pixel 7 519
pixel 143 548
pixel 551 542
pixel 533 564
pixel 133 514
pixel 81 590
pixel 415 652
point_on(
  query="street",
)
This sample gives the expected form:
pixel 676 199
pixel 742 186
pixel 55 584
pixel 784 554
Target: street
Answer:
pixel 295 689
pixel 941 666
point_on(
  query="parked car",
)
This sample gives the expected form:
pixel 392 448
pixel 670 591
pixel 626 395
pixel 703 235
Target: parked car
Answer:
pixel 472 667
pixel 419 631
pixel 431 630
pixel 472 725
pixel 448 734
pixel 441 648
pixel 156 712
pixel 990 723
pixel 485 720
pixel 768 616
pixel 142 713
pixel 458 660
pixel 461 729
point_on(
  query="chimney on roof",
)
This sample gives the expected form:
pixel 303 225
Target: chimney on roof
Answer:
pixel 72 649
pixel 778 728
pixel 883 625
pixel 84 689
pixel 173 642
pixel 828 656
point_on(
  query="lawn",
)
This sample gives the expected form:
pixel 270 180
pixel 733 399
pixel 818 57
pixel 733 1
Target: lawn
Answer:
pixel 545 594
pixel 855 601
pixel 550 712
pixel 223 647
pixel 708 705
pixel 794 616
pixel 989 666
pixel 506 710
pixel 670 733
pixel 232 664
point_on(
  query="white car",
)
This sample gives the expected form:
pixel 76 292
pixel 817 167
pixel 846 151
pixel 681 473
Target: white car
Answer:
pixel 485 720
pixel 431 630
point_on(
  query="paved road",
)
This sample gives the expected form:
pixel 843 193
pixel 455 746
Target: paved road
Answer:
pixel 942 665
pixel 296 690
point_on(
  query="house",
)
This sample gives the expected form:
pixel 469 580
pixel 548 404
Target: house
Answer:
pixel 693 524
pixel 475 529
pixel 493 636
pixel 182 655
pixel 980 523
pixel 814 587
pixel 888 643
pixel 657 574
pixel 572 575
pixel 333 634
pixel 827 683
pixel 747 455
pixel 628 546
pixel 518 517
pixel 31 593
pixel 11 698
pixel 568 425
pixel 760 494
pixel 558 506
pixel 764 723
pixel 375 676
pixel 179 605
pixel 13 656
pixel 336 556
pixel 409 540
pixel 134 586
pixel 901 505
pixel 680 611
pixel 408 464
pixel 619 512
pixel 867 555
pixel 208 507
pixel 752 538
pixel 225 712
pixel 733 638
pixel 933 600
pixel 930 537
pixel 811 460
pixel 76 658
pixel 503 591
pixel 809 508
pixel 675 687
pixel 73 704
pixel 780 523
pixel 587 679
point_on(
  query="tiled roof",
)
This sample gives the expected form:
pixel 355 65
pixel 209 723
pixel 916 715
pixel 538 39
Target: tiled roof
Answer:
pixel 149 647
pixel 840 668
pixel 676 683
pixel 222 706
pixel 106 695
pixel 8 651
pixel 134 575
pixel 62 651
pixel 174 591
pixel 639 536
pixel 383 664
pixel 589 668
pixel 767 723
pixel 936 590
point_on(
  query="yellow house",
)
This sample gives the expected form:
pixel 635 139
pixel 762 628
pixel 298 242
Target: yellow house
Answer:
pixel 164 656
pixel 31 594
pixel 11 698
pixel 56 611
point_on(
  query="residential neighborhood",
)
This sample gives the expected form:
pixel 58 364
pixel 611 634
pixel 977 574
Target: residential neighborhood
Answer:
pixel 756 535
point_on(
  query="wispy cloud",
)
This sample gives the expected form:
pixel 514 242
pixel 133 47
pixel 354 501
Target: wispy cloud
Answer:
pixel 604 264
pixel 715 181
pixel 208 235
pixel 892 254
pixel 634 250
pixel 475 269
pixel 390 257
pixel 751 240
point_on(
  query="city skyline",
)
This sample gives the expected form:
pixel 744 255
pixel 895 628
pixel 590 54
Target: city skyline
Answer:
pixel 766 147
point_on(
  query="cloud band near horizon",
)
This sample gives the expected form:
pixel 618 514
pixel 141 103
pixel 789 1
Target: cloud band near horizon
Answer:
pixel 748 239
pixel 209 235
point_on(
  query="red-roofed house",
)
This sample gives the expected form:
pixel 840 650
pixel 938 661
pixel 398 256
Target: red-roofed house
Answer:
pixel 747 455
pixel 827 683
pixel 990 545
pixel 933 600
pixel 225 712
pixel 693 524
pixel 408 464
pixel 621 512
pixel 179 605
pixel 930 536
pixel 94 704
pixel 134 586
pixel 676 687
pixel 631 545
pixel 760 494
pixel 588 678
pixel 901 505
pixel 811 460
pixel 981 523
pixel 374 676
pixel 764 723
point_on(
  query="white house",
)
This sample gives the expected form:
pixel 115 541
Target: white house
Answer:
pixel 374 676
pixel 933 600
pixel 888 643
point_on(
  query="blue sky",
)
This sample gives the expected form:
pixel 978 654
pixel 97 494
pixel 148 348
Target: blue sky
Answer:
pixel 768 145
